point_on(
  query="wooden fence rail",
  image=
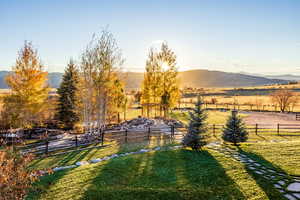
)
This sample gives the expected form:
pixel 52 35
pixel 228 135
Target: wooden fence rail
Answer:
pixel 128 136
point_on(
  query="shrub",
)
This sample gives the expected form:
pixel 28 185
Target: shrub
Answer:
pixel 15 178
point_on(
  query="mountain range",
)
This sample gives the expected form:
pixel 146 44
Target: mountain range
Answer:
pixel 192 78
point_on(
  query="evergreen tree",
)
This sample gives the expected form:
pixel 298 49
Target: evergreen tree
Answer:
pixel 67 101
pixel 195 138
pixel 234 130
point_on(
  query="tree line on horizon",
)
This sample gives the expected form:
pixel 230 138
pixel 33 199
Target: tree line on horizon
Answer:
pixel 92 91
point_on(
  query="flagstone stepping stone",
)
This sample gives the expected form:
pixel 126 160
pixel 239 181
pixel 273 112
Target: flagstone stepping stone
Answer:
pixel 82 163
pixel 296 195
pixel 289 197
pixel 257 164
pixel 272 171
pixel 277 186
pixel 253 168
pixel 294 187
pixel 281 182
pixel 258 172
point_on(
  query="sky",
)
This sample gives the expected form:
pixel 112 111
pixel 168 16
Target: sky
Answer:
pixel 228 35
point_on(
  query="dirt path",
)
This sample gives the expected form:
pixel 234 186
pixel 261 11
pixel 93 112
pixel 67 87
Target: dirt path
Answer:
pixel 270 118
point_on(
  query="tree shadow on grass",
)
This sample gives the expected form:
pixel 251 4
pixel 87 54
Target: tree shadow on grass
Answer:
pixel 141 176
pixel 179 174
pixel 40 187
pixel 206 177
pixel 112 179
pixel 61 160
pixel 269 179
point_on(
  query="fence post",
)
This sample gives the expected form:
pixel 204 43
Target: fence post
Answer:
pixel 214 130
pixel 102 137
pixel 126 132
pixel 149 131
pixel 256 129
pixel 47 146
pixel 278 129
pixel 172 131
pixel 76 141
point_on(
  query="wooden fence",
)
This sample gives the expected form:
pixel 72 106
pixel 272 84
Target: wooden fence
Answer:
pixel 246 107
pixel 149 134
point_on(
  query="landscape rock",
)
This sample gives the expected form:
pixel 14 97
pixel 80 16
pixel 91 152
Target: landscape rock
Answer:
pixel 157 148
pixel 62 168
pixel 96 160
pixel 144 150
pixel 106 158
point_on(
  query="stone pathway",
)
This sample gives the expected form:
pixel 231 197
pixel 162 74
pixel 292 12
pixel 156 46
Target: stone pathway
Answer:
pixel 287 185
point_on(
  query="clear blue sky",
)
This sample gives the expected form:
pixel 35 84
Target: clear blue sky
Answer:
pixel 255 36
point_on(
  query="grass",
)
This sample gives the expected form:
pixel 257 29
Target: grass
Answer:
pixel 89 154
pixel 213 117
pixel 218 117
pixel 284 154
pixel 177 174
pixel 170 174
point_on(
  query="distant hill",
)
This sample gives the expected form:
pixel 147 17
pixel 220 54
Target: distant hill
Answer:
pixel 289 77
pixel 192 78
pixel 206 78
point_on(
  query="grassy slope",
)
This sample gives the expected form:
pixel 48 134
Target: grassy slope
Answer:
pixel 167 175
pixel 284 155
pixel 89 154
pixel 180 174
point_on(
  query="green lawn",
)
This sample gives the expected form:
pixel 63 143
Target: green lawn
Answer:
pixel 89 154
pixel 171 174
pixel 283 155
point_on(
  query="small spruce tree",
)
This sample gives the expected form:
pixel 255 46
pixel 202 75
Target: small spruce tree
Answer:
pixel 67 100
pixel 195 138
pixel 234 130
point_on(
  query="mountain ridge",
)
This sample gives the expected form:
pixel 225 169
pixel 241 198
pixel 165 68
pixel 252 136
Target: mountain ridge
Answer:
pixel 190 78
